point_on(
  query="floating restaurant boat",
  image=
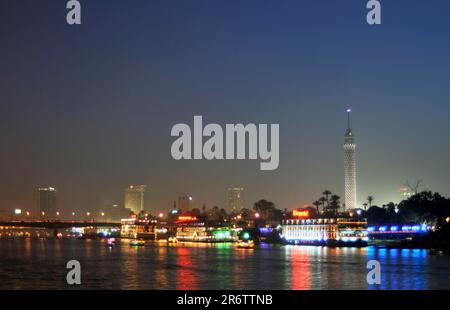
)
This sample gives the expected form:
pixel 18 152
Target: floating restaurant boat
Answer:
pixel 137 242
pixel 193 229
pixel 326 231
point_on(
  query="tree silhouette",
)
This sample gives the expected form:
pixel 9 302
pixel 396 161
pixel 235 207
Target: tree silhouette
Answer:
pixel 369 200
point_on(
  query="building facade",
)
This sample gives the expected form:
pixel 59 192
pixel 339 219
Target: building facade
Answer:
pixel 235 199
pixel 134 198
pixel 350 167
pixel 47 202
pixel 185 203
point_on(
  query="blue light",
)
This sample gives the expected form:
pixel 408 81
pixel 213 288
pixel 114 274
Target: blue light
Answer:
pixel 383 228
pixel 394 228
pixel 371 228
pixel 265 230
pixel 174 211
pixel 416 228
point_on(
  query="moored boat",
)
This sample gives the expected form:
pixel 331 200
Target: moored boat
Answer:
pixel 136 242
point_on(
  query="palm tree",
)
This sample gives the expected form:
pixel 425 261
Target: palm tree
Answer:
pixel 322 201
pixel 327 194
pixel 317 203
pixel 335 203
pixel 369 200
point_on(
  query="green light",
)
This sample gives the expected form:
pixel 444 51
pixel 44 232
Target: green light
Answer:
pixel 217 234
pixel 246 235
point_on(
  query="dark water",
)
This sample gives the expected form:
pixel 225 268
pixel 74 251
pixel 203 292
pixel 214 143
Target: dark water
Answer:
pixel 40 264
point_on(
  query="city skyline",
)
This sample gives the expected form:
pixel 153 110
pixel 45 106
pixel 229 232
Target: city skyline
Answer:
pixel 88 110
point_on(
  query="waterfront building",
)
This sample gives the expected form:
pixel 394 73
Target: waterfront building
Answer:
pixel 134 198
pixel 350 166
pixel 185 203
pixel 235 199
pixel 47 202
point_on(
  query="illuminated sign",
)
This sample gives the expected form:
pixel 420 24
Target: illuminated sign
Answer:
pixel 304 214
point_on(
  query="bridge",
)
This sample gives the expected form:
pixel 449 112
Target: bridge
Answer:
pixel 58 224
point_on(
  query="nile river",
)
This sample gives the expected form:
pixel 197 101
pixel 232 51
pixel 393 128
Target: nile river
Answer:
pixel 40 264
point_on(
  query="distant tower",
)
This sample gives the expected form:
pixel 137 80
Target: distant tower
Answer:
pixel 134 198
pixel 235 199
pixel 185 203
pixel 350 166
pixel 47 202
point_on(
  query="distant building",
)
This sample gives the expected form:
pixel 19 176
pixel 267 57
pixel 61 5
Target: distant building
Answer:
pixel 114 213
pixel 350 166
pixel 185 203
pixel 134 198
pixel 47 202
pixel 235 199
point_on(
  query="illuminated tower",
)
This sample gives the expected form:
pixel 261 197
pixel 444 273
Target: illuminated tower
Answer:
pixel 235 199
pixel 350 166
pixel 134 198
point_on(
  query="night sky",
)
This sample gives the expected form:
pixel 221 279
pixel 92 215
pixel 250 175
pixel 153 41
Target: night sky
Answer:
pixel 89 109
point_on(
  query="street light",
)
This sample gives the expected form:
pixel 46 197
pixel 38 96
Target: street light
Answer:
pixel 103 213
pixel 57 213
pixel 88 213
pixel 257 215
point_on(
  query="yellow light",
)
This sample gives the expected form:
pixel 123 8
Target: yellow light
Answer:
pixel 88 213
pixel 57 213
pixel 43 213
pixel 73 213
pixel 103 213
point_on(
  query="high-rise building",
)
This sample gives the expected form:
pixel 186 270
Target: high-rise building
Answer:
pixel 134 198
pixel 185 203
pixel 350 166
pixel 47 202
pixel 235 199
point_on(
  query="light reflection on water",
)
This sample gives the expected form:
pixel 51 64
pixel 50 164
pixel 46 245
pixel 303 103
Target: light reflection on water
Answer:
pixel 40 264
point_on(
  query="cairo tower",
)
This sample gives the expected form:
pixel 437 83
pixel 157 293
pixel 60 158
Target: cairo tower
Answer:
pixel 350 166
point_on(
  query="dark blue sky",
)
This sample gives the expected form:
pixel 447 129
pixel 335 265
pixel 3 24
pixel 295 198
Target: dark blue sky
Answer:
pixel 89 108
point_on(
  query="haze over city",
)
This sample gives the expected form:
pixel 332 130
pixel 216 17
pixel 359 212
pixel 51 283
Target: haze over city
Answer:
pixel 89 109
